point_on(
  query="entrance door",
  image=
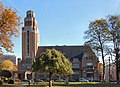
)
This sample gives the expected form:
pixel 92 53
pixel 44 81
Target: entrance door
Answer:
pixel 29 76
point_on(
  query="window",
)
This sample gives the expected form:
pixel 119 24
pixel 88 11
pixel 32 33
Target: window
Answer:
pixel 27 33
pixel 75 76
pixel 75 60
pixel 75 65
pixel 28 23
pixel 86 58
pixel 28 15
pixel 89 74
pixel 28 42
pixel 89 64
pixel 89 58
pixel 33 23
pixel 41 76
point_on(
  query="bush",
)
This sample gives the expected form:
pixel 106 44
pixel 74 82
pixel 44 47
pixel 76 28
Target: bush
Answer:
pixel 1 82
pixel 6 73
pixel 11 81
pixel 5 80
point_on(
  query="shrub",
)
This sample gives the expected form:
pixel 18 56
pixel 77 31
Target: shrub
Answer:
pixel 1 82
pixel 11 81
pixel 6 73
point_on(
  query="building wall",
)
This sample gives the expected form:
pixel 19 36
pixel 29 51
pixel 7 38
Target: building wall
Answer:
pixel 12 58
pixel 112 74
pixel 99 71
pixel 31 50
pixel 90 66
pixel 29 36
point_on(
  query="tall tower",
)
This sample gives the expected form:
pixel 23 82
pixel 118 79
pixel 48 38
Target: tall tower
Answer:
pixel 30 42
pixel 30 36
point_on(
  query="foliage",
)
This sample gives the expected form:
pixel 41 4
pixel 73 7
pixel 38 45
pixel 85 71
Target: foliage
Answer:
pixel 7 65
pixel 54 62
pixel 102 34
pixel 97 36
pixel 11 81
pixel 15 67
pixel 9 26
pixel 1 82
pixel 114 28
pixel 6 73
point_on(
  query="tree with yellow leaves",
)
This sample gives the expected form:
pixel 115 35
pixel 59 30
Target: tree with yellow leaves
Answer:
pixel 9 26
pixel 7 65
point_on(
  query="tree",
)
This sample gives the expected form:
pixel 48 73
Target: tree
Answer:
pixel 97 36
pixel 7 65
pixel 9 26
pixel 114 29
pixel 53 62
pixel 6 73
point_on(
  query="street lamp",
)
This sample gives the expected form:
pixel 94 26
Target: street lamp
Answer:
pixel 109 69
pixel 84 73
pixel 93 73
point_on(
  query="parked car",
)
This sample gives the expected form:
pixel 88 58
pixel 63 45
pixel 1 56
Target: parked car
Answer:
pixel 38 80
pixel 83 80
pixel 17 80
pixel 26 80
pixel 96 80
pixel 47 80
pixel 60 80
pixel 72 80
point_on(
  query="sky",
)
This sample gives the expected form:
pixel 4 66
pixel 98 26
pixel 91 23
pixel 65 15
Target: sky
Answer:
pixel 62 22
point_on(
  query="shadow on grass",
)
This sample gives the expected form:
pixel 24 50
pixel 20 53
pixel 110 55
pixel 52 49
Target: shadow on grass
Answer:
pixel 72 84
pixel 87 85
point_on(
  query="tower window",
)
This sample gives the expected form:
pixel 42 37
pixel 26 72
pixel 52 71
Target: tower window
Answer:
pixel 28 42
pixel 27 33
pixel 28 23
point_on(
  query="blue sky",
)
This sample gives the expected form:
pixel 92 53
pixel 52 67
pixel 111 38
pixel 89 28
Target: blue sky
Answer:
pixel 62 22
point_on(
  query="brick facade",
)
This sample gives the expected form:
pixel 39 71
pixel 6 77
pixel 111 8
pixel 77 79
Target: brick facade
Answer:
pixel 80 56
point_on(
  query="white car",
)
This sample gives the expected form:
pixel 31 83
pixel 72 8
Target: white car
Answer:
pixel 83 80
pixel 60 80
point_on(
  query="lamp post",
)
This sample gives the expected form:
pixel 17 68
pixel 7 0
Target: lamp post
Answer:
pixel 109 69
pixel 93 73
pixel 84 73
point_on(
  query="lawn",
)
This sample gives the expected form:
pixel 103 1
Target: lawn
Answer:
pixel 61 84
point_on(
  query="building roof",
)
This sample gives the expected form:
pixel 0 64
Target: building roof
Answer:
pixel 79 56
pixel 68 51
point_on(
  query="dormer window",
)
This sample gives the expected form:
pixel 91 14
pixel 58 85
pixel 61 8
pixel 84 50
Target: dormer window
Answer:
pixel 75 66
pixel 75 60
pixel 89 64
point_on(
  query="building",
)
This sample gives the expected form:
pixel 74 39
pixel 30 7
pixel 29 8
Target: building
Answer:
pixel 110 72
pixel 12 58
pixel 84 61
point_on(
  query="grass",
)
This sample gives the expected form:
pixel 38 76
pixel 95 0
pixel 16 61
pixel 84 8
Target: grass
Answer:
pixel 61 84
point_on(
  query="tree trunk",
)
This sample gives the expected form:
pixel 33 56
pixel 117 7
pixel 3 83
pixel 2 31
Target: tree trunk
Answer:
pixel 50 77
pixel 103 68
pixel 117 64
pixel 103 64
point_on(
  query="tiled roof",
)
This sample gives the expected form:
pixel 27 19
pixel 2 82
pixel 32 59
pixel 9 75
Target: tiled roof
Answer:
pixel 79 56
pixel 68 51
